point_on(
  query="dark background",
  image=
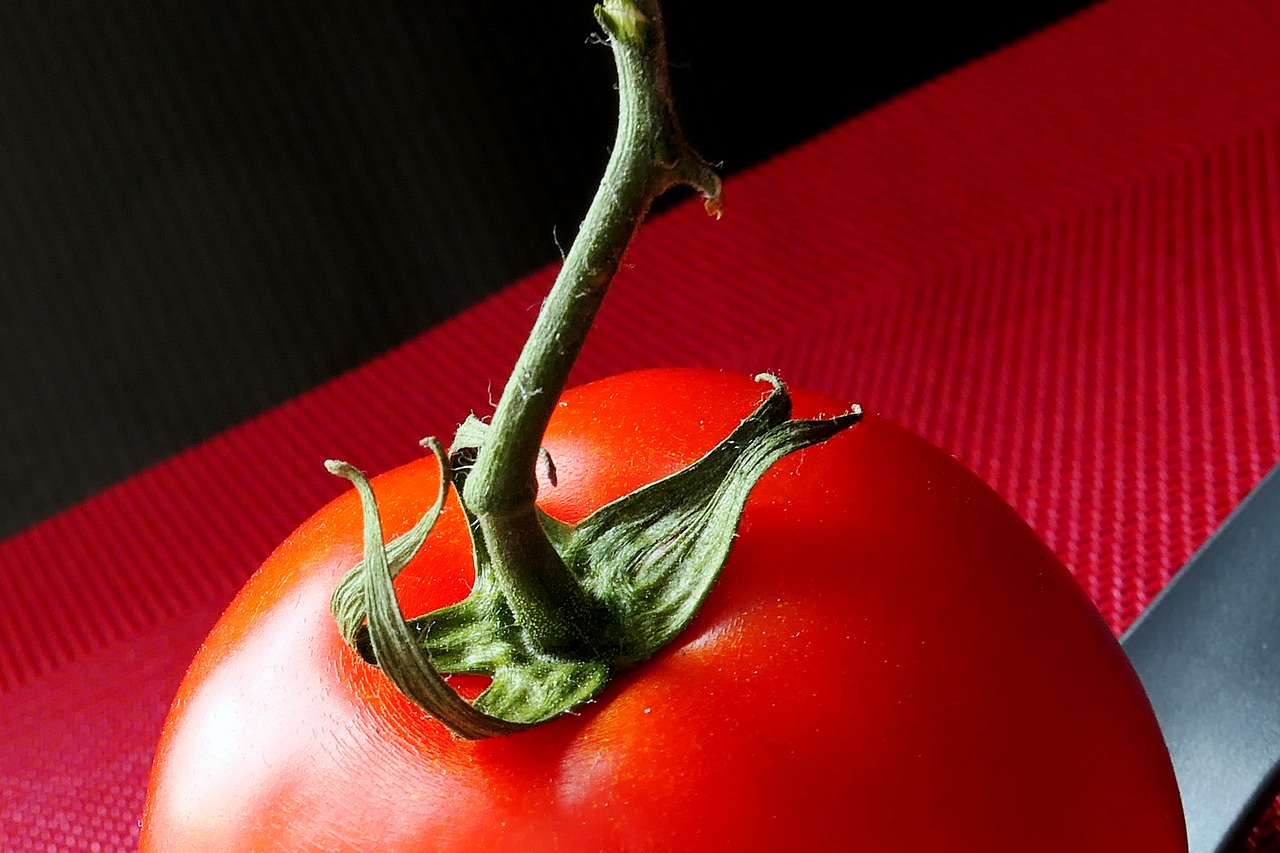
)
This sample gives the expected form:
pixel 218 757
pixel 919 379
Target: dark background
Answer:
pixel 208 207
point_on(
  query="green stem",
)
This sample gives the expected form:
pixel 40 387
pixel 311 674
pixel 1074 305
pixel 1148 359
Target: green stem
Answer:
pixel 551 623
pixel 649 156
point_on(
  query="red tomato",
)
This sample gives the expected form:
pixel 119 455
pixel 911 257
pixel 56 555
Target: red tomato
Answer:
pixel 891 661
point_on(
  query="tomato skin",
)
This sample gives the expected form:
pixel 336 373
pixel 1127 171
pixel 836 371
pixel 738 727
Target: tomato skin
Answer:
pixel 892 660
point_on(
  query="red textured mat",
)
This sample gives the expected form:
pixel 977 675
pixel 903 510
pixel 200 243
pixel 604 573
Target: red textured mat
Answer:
pixel 1061 263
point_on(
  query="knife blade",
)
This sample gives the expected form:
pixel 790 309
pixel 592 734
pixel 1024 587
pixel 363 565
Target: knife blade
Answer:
pixel 1207 650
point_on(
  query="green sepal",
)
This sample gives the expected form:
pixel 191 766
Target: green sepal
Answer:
pixel 652 556
pixel 348 600
pixel 394 646
pixel 542 688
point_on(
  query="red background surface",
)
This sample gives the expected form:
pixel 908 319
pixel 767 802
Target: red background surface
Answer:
pixel 1061 264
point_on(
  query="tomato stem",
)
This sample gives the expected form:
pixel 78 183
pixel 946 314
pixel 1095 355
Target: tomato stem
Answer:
pixel 557 610
pixel 649 156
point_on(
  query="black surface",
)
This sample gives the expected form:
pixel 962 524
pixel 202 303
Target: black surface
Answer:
pixel 207 207
pixel 1206 651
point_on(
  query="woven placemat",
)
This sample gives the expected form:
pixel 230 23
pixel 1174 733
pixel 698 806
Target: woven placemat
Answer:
pixel 1061 264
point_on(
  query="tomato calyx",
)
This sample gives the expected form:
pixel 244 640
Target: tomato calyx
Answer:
pixel 643 563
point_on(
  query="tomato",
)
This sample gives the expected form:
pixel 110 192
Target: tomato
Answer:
pixel 891 660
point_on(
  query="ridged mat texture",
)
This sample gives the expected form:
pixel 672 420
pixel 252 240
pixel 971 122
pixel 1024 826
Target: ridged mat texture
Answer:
pixel 1060 263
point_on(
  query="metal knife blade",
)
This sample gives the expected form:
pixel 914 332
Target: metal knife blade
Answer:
pixel 1207 650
